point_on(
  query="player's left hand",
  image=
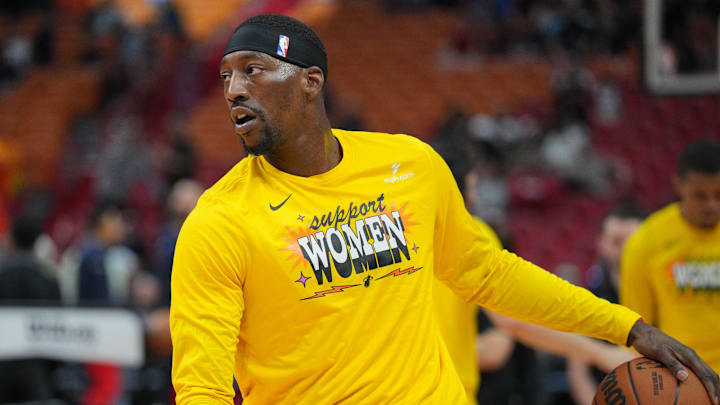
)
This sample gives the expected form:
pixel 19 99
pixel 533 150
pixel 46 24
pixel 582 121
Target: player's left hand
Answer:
pixel 651 342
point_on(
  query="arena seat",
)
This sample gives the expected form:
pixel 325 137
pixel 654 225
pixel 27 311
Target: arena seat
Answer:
pixel 400 59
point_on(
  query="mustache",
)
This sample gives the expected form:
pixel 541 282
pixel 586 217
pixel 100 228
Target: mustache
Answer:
pixel 238 103
pixel 259 114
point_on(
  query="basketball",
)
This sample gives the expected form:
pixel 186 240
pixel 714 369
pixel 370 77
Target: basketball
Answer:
pixel 646 382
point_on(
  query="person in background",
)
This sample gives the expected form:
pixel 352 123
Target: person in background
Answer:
pixel 23 277
pixel 603 278
pixel 95 286
pixel 182 199
pixel 670 268
pixel 107 229
pixel 603 281
pixel 25 280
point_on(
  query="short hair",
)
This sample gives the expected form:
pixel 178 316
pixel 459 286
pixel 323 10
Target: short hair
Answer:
pixel 101 208
pixel 283 23
pixel 702 156
pixel 628 210
pixel 25 229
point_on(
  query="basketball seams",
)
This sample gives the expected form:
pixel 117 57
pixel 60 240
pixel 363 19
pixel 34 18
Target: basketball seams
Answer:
pixel 653 386
pixel 632 383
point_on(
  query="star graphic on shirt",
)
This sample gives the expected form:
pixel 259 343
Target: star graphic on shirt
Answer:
pixel 302 279
pixel 415 248
pixel 300 218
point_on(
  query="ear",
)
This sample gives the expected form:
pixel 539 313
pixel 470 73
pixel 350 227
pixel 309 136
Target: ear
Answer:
pixel 313 82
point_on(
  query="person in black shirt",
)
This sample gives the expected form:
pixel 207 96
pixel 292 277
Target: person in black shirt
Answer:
pixel 24 280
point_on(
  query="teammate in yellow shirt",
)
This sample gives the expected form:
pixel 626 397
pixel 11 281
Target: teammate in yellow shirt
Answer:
pixel 306 271
pixel 670 270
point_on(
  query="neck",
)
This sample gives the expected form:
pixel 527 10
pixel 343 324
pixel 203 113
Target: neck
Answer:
pixel 313 151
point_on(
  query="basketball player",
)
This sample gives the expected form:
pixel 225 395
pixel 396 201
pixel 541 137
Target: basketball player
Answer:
pixel 307 270
pixel 670 271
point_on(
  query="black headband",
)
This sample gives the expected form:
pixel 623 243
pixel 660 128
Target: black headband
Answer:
pixel 289 48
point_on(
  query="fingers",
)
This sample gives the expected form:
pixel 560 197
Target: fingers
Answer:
pixel 654 344
pixel 677 368
pixel 708 377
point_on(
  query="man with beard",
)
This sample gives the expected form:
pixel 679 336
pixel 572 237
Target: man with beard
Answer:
pixel 306 271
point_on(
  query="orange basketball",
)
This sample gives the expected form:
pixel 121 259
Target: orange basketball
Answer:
pixel 646 382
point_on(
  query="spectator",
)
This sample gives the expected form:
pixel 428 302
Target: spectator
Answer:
pixel 103 278
pixel 182 200
pixel 24 279
pixel 487 194
pixel 569 152
pixel 108 228
pixel 22 275
pixel 608 102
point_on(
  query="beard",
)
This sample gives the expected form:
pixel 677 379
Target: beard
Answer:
pixel 268 139
pixel 266 144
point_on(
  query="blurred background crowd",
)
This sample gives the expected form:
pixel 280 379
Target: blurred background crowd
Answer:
pixel 112 123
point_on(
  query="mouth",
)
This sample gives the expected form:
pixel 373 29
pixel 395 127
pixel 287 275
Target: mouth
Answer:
pixel 243 119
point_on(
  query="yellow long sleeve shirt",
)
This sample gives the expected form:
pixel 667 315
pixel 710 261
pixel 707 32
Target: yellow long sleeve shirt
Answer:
pixel 670 274
pixel 318 290
pixel 457 320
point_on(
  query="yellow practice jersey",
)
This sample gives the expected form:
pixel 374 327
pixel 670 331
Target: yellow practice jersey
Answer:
pixel 670 274
pixel 318 290
pixel 458 326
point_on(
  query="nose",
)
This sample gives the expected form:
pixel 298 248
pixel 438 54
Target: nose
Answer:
pixel 236 89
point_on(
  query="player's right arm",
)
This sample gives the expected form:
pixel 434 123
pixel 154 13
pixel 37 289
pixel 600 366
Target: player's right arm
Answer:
pixel 206 309
pixel 466 261
pixel 636 292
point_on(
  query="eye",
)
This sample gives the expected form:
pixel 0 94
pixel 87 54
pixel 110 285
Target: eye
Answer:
pixel 253 69
pixel 225 76
pixel 700 196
